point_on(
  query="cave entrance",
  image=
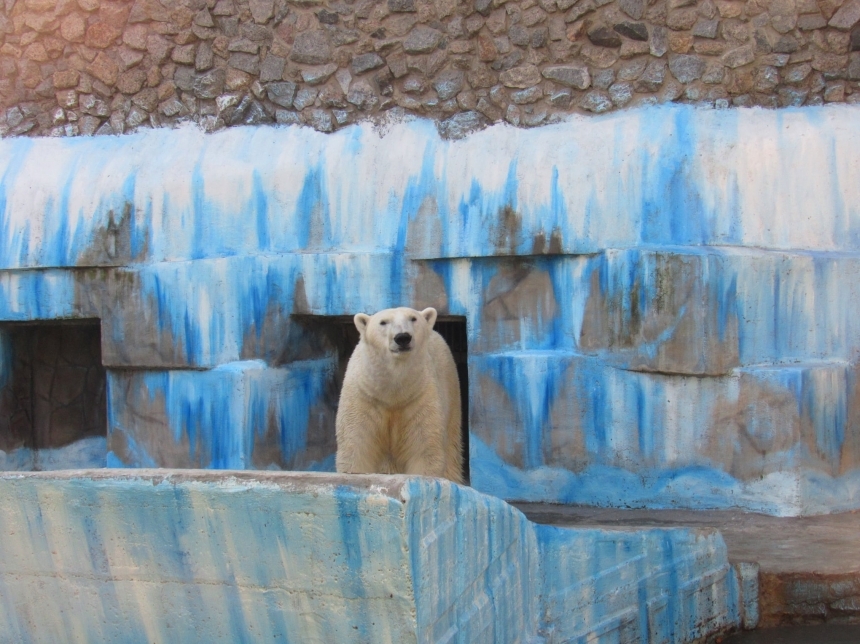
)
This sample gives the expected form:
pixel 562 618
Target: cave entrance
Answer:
pixel 53 406
pixel 340 332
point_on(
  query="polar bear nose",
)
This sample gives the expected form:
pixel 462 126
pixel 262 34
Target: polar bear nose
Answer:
pixel 403 339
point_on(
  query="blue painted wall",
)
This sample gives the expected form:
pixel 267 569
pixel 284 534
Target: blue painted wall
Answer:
pixel 656 300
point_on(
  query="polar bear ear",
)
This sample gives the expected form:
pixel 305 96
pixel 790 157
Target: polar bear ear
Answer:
pixel 429 314
pixel 361 320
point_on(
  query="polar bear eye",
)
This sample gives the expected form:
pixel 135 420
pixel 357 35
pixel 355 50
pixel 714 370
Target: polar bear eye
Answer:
pixel 414 319
pixel 383 323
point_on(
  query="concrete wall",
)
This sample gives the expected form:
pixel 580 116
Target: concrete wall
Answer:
pixel 194 556
pixel 655 300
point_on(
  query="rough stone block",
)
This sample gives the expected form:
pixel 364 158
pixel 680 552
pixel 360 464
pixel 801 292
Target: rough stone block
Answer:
pixel 237 416
pixel 768 439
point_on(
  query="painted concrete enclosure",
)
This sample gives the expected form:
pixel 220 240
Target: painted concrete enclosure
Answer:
pixel 155 556
pixel 658 302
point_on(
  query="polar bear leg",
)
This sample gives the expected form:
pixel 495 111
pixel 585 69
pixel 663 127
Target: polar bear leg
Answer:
pixel 359 450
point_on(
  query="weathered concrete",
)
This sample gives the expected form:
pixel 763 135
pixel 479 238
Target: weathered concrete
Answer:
pixel 198 556
pixel 809 567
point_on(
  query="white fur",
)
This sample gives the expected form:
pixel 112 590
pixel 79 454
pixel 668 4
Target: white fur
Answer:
pixel 399 411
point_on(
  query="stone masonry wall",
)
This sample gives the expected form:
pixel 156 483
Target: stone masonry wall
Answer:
pixel 70 67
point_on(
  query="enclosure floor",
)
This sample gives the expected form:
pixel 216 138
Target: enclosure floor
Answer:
pixel 809 566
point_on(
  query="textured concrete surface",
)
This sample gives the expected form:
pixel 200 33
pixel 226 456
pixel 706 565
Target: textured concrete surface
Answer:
pixel 200 556
pixel 654 319
pixel 809 567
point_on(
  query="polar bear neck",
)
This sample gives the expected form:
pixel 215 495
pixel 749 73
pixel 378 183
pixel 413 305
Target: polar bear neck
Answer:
pixel 389 368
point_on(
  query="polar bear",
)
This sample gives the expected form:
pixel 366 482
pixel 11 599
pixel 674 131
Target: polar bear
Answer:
pixel 399 410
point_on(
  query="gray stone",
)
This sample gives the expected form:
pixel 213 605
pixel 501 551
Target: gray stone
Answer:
pixel 105 129
pixel 422 40
pixel 305 97
pixel 580 9
pixel 706 28
pixel 519 35
pixel 247 63
pixel 714 73
pixel 244 45
pixel 603 36
pixel 366 62
pixel 621 93
pixel 170 107
pixel 570 75
pixel 659 41
pixel 210 84
pixel 834 93
pixel 414 85
pixel 341 117
pixel 135 117
pixel 272 68
pixel 508 61
pixel 739 57
pixel 327 17
pixel 460 125
pixel 287 117
pixel 535 118
pixel 561 99
pixel 786 45
pixel 539 38
pixel 633 8
pixel 261 10
pixel 483 7
pixel 797 73
pixel 596 101
pixel 526 96
pixel 811 21
pixel 205 57
pixel 521 77
pixel 317 75
pixel 854 66
pixel 401 6
pixel 361 95
pixel 320 120
pixel 847 16
pixel 88 125
pixel 632 30
pixel 281 93
pixel 632 69
pixel 311 48
pixel 448 84
pixel 603 78
pixel 184 78
pixel 686 67
pixel 791 97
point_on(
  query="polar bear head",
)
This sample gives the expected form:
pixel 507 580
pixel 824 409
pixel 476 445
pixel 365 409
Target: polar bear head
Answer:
pixel 396 332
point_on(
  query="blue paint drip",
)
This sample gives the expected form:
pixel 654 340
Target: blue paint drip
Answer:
pixel 21 149
pixel 532 381
pixel 261 209
pixel 349 519
pixel 199 247
pixel 313 207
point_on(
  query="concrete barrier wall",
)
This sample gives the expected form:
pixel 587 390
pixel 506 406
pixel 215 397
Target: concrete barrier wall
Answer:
pixel 196 556
pixel 655 300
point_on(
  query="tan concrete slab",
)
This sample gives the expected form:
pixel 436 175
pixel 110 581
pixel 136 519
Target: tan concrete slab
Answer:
pixel 809 566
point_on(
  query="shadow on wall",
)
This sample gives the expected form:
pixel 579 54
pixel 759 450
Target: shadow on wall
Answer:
pixel 53 412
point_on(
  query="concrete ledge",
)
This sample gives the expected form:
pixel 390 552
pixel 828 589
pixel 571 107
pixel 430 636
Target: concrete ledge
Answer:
pixel 198 556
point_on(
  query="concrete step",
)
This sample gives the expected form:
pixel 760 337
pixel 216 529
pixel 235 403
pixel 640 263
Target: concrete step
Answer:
pixel 809 567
